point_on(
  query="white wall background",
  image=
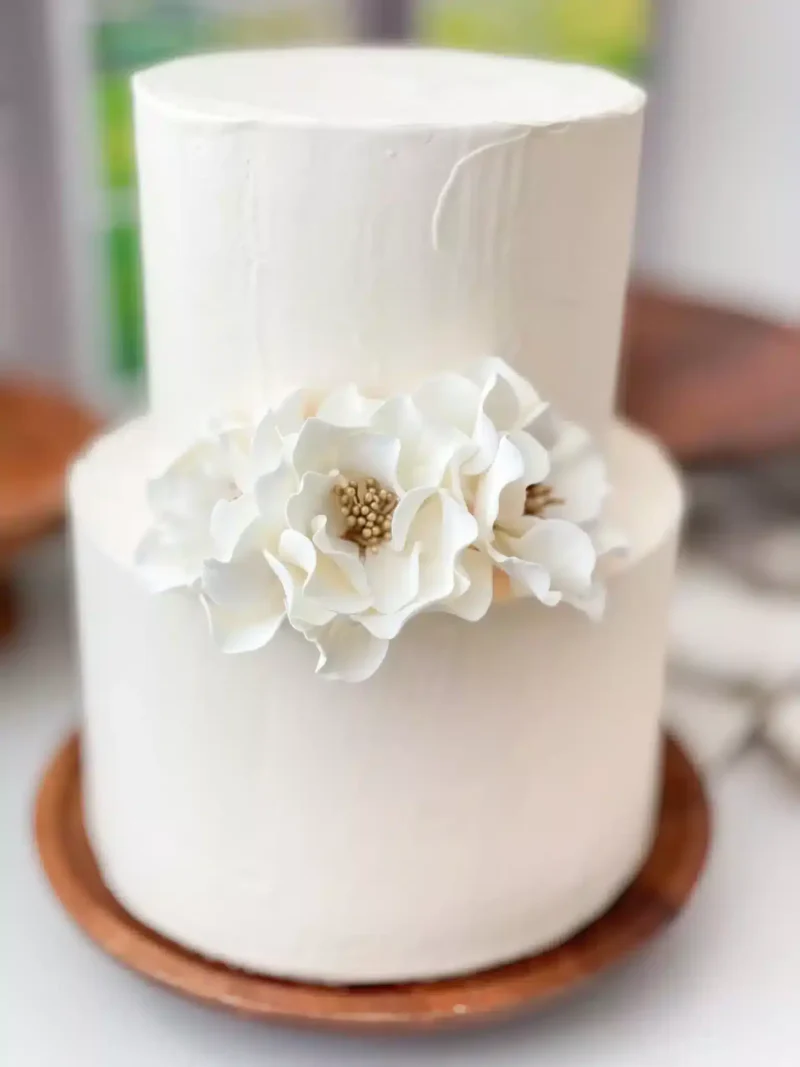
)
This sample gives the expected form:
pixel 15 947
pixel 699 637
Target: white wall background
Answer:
pixel 7 324
pixel 36 303
pixel 7 200
pixel 720 194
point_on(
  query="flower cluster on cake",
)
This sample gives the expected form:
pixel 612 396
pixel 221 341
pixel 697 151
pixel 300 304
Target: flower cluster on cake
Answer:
pixel 345 516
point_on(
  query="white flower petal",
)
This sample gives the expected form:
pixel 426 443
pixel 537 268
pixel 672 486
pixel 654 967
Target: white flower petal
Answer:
pixel 232 422
pixel 336 581
pixel 583 487
pixel 460 583
pixel 302 612
pixel 499 402
pixel 398 417
pixel 292 411
pixel 510 401
pixel 191 485
pixel 348 652
pixel 450 399
pixel 345 554
pixel 535 458
pixel 235 633
pixel 330 587
pixel 230 524
pixel 445 528
pixel 608 540
pixel 459 528
pixel 313 498
pixel 387 627
pixel 455 401
pixel 592 602
pixel 393 578
pixel 427 449
pixel 564 550
pixel 506 468
pixel 475 587
pixel 244 601
pixel 406 512
pixel 439 453
pixel 235 463
pixel 267 448
pixel 511 515
pixel 243 584
pixel 564 440
pixel 317 447
pixel 272 492
pixel 295 549
pixel 485 439
pixel 371 455
pixel 347 407
pixel 165 565
pixel 527 578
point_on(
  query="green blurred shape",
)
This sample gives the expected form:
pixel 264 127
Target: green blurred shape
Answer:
pixel 126 44
pixel 123 260
pixel 611 33
pixel 116 130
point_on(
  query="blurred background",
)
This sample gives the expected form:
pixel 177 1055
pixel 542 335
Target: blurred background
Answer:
pixel 712 347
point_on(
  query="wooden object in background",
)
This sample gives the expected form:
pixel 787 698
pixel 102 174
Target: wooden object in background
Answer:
pixel 657 895
pixel 40 432
pixel 712 384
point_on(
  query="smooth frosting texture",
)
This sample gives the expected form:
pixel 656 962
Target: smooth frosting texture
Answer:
pixel 488 792
pixel 323 216
pixel 387 86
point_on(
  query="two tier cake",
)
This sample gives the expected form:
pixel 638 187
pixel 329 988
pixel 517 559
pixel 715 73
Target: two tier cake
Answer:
pixel 372 602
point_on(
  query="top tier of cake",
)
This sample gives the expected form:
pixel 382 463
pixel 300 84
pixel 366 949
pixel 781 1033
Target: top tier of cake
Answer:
pixel 317 216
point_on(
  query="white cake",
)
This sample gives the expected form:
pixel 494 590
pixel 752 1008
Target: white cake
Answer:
pixel 313 218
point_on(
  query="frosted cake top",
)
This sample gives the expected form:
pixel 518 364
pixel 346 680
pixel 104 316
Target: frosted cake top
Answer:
pixel 386 87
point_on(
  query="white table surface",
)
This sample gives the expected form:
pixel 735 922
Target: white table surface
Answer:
pixel 720 989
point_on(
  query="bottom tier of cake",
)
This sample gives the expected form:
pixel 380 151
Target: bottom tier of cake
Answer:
pixel 489 791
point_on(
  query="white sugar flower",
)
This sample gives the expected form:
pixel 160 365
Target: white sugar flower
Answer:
pixel 534 482
pixel 539 508
pixel 376 534
pixel 182 500
pixel 206 533
pixel 481 406
pixel 347 515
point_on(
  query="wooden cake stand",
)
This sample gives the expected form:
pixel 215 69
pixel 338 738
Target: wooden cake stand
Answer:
pixel 39 434
pixel 656 896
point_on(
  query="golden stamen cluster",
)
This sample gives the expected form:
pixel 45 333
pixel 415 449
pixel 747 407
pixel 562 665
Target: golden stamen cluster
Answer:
pixel 539 497
pixel 367 510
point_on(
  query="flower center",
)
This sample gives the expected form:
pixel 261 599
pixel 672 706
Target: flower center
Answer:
pixel 367 510
pixel 539 497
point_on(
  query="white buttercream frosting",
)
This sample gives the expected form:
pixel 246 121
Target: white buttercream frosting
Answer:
pixel 378 87
pixel 319 216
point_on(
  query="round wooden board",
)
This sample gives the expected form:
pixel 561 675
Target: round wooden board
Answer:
pixel 40 432
pixel 659 892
